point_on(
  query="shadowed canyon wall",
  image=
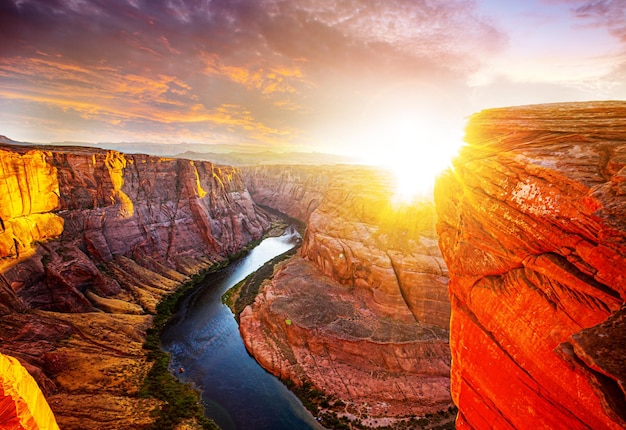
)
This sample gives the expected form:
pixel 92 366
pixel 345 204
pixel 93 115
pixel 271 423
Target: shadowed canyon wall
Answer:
pixel 362 313
pixel 532 225
pixel 90 241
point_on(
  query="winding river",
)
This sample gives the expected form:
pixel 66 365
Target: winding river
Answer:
pixel 203 339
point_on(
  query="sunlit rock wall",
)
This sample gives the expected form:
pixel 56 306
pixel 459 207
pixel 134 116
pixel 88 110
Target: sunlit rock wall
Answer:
pixel 90 241
pixel 532 225
pixel 22 404
pixel 29 194
pixel 359 236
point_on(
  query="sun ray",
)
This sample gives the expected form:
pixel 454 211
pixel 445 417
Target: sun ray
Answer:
pixel 415 147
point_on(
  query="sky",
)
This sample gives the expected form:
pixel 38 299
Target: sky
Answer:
pixel 343 76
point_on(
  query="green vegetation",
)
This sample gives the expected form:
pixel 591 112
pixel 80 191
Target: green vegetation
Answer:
pixel 181 401
pixel 244 293
pixel 317 401
pixel 328 410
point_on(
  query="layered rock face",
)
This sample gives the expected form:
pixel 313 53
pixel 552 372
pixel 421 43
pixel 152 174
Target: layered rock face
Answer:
pixel 360 237
pixel 293 190
pixel 90 241
pixel 532 225
pixel 22 404
pixel 362 313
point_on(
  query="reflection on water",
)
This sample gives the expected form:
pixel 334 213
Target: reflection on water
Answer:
pixel 203 338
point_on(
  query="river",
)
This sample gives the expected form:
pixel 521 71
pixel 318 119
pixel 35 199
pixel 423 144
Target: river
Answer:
pixel 203 339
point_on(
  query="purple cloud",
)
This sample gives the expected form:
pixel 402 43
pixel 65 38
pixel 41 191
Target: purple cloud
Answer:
pixel 288 64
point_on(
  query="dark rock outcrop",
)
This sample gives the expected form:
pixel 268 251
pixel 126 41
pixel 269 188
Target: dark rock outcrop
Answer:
pixel 532 227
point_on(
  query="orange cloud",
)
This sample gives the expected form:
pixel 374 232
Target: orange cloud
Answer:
pixel 106 95
pixel 270 80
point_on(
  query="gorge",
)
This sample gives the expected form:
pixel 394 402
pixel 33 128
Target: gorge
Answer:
pixel 505 297
pixel 91 240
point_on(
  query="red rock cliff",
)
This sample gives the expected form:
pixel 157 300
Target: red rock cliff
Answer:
pixel 532 225
pixel 90 241
pixel 357 236
pixel 362 314
pixel 294 190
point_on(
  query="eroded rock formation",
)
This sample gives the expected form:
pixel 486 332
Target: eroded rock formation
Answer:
pixel 304 326
pixel 90 241
pixel 293 190
pixel 364 306
pixel 532 225
pixel 359 236
pixel 22 404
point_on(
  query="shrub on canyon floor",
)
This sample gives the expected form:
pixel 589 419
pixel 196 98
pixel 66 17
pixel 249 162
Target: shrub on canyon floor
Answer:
pixel 180 401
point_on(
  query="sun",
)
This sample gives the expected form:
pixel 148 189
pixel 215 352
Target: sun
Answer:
pixel 415 148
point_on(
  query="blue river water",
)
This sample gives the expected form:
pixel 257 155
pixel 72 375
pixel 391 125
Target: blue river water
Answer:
pixel 203 339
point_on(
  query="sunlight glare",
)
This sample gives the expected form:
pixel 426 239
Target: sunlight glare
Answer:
pixel 415 149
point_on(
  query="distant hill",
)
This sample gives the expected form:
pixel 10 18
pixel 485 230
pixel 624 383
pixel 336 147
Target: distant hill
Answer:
pixel 4 139
pixel 267 157
pixel 234 155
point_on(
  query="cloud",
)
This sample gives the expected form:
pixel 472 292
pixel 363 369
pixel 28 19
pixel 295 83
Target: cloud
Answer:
pixel 609 14
pixel 262 70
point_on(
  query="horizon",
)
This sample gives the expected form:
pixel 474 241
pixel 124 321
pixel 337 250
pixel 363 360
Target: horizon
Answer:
pixel 296 75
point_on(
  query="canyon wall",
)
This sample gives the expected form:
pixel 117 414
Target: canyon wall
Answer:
pixel 359 236
pixel 364 305
pixel 532 225
pixel 90 241
pixel 293 190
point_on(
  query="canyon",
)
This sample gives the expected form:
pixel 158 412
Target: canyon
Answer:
pixel 90 242
pixel 364 304
pixel 504 296
pixel 532 229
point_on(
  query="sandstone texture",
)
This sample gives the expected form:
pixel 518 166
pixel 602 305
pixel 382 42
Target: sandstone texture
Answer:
pixel 357 235
pixel 362 313
pixel 306 327
pixel 22 404
pixel 90 241
pixel 532 225
pixel 293 190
